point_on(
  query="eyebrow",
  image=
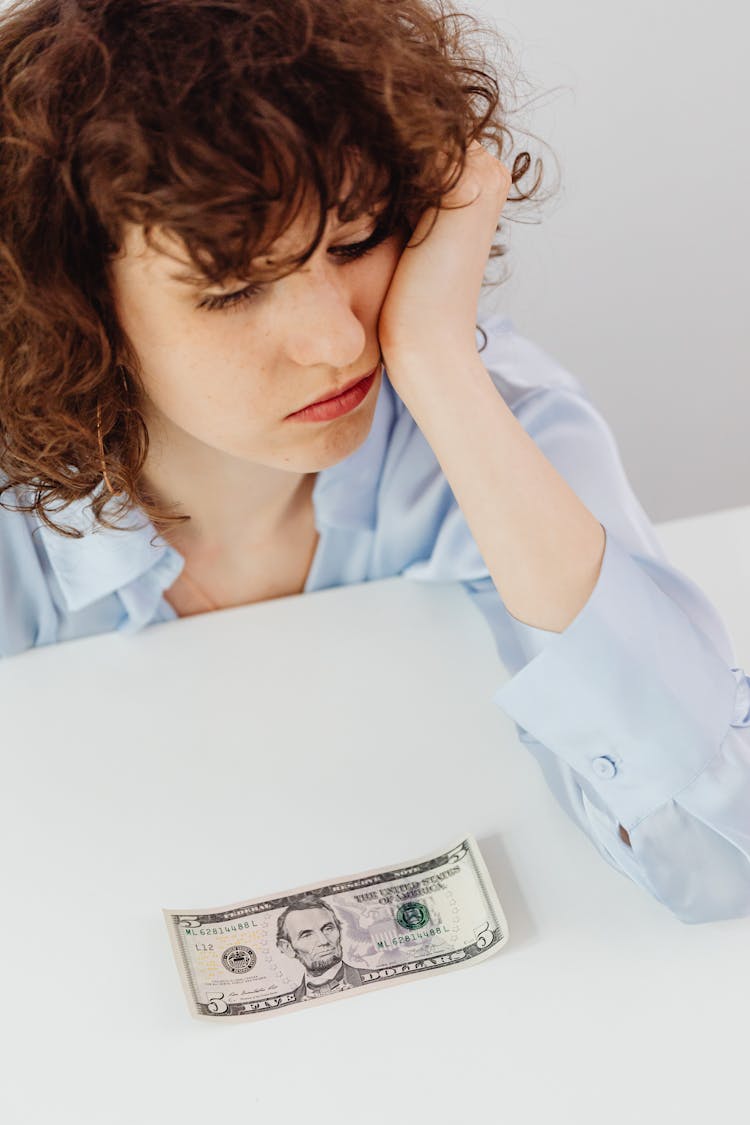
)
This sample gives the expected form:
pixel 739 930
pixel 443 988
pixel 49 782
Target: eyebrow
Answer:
pixel 199 280
pixel 188 278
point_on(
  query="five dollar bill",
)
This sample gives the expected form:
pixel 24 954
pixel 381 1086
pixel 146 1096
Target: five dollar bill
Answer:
pixel 318 943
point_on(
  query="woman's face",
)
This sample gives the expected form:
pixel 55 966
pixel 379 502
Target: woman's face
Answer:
pixel 230 377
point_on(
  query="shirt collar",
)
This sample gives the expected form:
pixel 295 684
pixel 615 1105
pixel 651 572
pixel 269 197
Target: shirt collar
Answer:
pixel 106 560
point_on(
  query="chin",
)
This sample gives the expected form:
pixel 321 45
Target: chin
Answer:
pixel 337 440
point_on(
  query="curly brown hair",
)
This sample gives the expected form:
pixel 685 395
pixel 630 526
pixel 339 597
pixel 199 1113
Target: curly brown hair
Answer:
pixel 213 120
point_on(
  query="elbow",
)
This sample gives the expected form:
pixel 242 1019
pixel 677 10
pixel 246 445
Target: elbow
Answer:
pixel 708 883
pixel 713 912
pixel 715 903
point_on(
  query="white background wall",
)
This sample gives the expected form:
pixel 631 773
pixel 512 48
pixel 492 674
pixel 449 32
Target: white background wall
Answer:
pixel 635 275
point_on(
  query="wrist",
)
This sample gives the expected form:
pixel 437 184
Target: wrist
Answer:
pixel 436 381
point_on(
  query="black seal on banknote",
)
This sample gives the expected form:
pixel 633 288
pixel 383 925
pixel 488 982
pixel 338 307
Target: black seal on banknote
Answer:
pixel 238 959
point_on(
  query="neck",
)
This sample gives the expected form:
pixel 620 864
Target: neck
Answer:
pixel 230 501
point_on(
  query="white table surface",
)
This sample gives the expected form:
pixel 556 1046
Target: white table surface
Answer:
pixel 246 752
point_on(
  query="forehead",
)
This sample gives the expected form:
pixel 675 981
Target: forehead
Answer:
pixel 168 258
pixel 312 918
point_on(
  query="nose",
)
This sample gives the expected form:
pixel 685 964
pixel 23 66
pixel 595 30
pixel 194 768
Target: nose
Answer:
pixel 321 328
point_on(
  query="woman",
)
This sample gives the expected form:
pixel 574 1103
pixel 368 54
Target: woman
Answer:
pixel 216 214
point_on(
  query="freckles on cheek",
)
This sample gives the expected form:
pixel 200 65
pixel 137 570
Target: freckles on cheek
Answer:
pixel 231 392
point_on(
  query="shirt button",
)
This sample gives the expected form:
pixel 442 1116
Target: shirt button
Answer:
pixel 741 717
pixel 604 767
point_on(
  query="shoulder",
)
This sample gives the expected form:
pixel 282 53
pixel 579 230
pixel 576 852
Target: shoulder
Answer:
pixel 27 611
pixel 522 371
pixel 518 365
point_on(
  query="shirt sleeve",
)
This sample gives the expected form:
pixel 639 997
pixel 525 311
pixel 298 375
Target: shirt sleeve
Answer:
pixel 635 712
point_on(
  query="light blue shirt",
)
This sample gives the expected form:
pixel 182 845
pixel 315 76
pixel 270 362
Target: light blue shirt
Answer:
pixel 635 713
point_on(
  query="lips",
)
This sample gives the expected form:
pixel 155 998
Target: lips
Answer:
pixel 341 390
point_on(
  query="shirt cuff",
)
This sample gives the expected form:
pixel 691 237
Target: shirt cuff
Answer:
pixel 631 694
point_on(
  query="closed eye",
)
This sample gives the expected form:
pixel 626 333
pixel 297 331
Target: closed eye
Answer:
pixel 350 252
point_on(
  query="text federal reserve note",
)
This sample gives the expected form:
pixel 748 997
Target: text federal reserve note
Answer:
pixel 318 943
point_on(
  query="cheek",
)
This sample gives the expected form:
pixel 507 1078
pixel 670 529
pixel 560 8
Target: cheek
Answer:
pixel 195 369
pixel 196 365
pixel 211 392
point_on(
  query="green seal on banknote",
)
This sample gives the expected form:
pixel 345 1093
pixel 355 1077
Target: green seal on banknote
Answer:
pixel 412 915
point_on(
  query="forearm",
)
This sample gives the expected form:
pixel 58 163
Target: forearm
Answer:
pixel 541 544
